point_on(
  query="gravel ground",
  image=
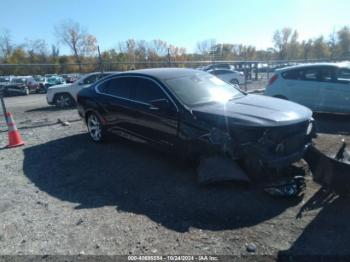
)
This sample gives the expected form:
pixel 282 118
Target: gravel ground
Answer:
pixel 63 194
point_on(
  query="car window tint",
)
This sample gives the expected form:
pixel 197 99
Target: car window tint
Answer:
pixel 343 76
pixel 292 74
pixel 147 90
pixel 222 72
pixel 326 74
pixel 311 74
pixel 90 79
pixel 102 75
pixel 120 87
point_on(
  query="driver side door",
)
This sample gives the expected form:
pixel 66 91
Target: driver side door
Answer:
pixel 158 125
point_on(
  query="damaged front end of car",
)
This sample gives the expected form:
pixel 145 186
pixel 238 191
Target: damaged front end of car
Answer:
pixel 231 150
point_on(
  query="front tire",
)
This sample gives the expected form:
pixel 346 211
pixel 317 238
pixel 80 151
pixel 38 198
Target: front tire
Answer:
pixel 95 128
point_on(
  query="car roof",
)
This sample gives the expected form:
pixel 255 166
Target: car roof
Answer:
pixel 164 73
pixel 339 65
pixel 220 69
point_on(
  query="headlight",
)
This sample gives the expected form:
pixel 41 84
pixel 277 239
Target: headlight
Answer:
pixel 309 128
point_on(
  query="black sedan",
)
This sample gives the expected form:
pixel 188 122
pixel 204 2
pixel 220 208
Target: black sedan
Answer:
pixel 196 113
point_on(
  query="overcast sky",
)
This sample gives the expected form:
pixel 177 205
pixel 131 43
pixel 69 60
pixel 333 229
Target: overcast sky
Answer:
pixel 179 22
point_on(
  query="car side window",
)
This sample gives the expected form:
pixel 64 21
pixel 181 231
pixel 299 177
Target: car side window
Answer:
pixel 100 76
pixel 327 74
pixel 294 74
pixel 90 79
pixel 311 74
pixel 343 76
pixel 146 90
pixel 120 87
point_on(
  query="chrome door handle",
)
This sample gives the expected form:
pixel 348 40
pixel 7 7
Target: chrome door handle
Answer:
pixel 153 108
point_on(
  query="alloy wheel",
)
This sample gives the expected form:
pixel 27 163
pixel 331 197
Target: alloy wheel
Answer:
pixel 94 127
pixel 63 100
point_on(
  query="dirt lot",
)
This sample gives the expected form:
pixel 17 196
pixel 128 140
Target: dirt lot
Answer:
pixel 63 194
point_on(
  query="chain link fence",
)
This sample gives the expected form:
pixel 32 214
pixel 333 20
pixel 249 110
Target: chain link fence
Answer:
pixel 256 73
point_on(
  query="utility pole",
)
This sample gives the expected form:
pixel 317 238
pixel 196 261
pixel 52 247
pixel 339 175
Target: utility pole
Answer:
pixel 169 60
pixel 100 59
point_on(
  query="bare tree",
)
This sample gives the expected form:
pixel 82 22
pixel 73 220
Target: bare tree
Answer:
pixel 37 50
pixel 282 39
pixel 332 44
pixel 6 46
pixel 205 47
pixel 76 38
pixel 344 41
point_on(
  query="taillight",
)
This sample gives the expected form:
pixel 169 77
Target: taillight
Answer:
pixel 272 79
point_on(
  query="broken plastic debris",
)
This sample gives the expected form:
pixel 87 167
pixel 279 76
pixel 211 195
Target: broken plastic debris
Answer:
pixel 331 173
pixel 290 188
pixel 218 168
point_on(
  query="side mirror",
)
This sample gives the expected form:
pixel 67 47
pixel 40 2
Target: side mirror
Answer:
pixel 80 83
pixel 160 104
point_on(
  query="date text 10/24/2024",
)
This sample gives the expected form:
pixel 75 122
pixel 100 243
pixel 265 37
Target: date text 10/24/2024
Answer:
pixel 172 258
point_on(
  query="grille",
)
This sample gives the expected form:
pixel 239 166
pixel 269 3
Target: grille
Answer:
pixel 285 140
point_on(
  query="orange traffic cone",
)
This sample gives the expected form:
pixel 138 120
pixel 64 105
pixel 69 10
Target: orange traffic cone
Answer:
pixel 15 138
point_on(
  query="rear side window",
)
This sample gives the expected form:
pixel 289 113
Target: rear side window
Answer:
pixel 343 76
pixel 311 74
pixel 90 79
pixel 319 74
pixel 292 74
pixel 120 87
pixel 146 90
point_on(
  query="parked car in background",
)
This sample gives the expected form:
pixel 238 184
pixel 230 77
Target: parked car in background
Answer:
pixel 230 76
pixel 322 87
pixel 218 66
pixel 42 81
pixel 195 113
pixel 22 85
pixel 71 78
pixel 4 80
pixel 65 95
pixel 54 80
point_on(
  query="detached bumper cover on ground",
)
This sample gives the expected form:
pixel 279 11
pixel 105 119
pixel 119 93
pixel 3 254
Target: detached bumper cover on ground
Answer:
pixel 332 173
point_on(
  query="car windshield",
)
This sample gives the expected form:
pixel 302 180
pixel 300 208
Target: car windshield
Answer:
pixel 202 88
pixel 3 79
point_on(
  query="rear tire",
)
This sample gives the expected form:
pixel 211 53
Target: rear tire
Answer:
pixel 63 101
pixel 95 128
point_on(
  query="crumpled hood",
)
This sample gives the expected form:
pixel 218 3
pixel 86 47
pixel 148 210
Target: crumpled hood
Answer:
pixel 256 110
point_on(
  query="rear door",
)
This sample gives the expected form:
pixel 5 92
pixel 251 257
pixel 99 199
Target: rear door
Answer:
pixel 336 94
pixel 119 109
pixel 303 86
pixel 225 75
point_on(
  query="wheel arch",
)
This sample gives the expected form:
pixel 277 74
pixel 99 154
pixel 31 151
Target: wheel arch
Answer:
pixel 93 111
pixel 63 93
